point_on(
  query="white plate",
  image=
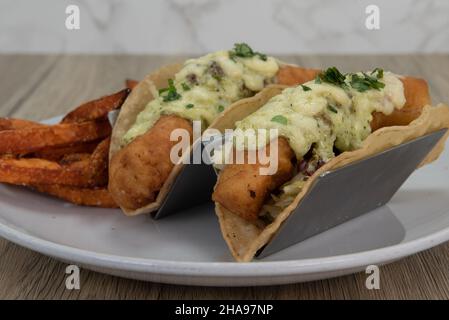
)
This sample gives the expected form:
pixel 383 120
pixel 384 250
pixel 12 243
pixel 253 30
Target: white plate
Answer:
pixel 187 248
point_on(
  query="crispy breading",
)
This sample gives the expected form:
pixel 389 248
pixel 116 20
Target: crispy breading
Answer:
pixel 138 171
pixel 417 95
pixel 243 190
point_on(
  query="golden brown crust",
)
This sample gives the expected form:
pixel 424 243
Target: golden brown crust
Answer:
pixel 417 96
pixel 138 171
pixel 290 75
pixel 241 188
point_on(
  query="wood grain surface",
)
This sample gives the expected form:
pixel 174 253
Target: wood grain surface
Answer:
pixel 42 86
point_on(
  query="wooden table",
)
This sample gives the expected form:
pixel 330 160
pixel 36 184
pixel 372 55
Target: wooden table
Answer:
pixel 42 86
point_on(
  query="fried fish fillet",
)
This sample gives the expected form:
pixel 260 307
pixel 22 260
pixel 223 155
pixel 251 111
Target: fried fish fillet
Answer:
pixel 244 189
pixel 417 96
pixel 138 171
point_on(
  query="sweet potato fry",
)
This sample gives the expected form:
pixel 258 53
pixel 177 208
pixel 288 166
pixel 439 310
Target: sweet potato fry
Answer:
pixel 38 171
pixel 59 153
pixel 98 163
pixel 97 197
pixel 74 157
pixel 97 108
pixel 33 139
pixel 15 124
pixel 130 84
pixel 68 160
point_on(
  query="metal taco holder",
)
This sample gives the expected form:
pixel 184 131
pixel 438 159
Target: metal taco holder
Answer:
pixel 193 185
pixel 351 191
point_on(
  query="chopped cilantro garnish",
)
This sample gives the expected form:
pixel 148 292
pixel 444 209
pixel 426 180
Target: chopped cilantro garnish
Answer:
pixel 305 88
pixel 185 87
pixel 220 108
pixel 279 119
pixel 189 106
pixel 360 83
pixel 172 94
pixel 243 50
pixel 365 82
pixel 262 56
pixel 379 71
pixel 333 76
pixel 161 91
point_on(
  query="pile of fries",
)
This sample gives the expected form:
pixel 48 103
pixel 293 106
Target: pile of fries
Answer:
pixel 68 160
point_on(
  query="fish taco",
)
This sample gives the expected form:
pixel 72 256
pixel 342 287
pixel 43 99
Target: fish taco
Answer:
pixel 323 124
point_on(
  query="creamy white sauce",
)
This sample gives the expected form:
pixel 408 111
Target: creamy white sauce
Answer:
pixel 215 81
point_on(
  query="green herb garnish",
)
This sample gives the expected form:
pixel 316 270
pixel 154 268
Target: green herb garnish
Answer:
pixel 262 56
pixel 243 50
pixel 360 83
pixel 172 94
pixel 279 119
pixel 190 106
pixel 305 88
pixel 380 73
pixel 333 76
pixel 365 82
pixel 220 108
pixel 332 108
pixel 161 91
pixel 185 87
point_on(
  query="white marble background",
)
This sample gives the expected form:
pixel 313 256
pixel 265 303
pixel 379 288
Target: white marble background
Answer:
pixel 196 26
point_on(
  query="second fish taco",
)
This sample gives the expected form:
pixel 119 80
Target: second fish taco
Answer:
pixel 321 125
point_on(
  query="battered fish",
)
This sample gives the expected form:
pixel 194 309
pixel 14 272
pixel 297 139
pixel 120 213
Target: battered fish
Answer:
pixel 242 189
pixel 138 171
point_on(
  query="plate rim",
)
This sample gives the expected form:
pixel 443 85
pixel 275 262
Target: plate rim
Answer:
pixel 223 269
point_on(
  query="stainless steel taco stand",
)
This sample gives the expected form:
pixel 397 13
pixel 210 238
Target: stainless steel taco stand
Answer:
pixel 193 186
pixel 348 192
